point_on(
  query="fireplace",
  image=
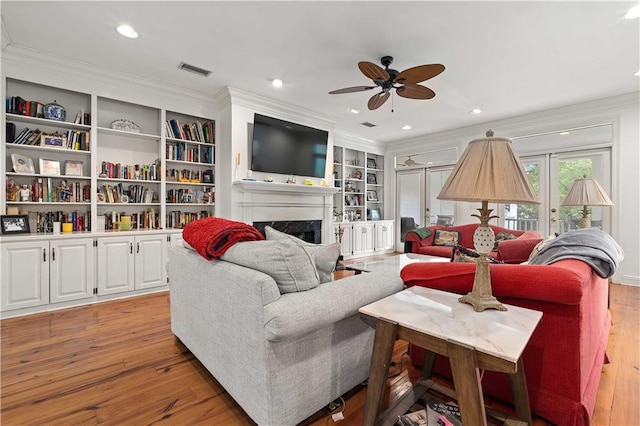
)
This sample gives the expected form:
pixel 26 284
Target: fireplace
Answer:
pixel 307 230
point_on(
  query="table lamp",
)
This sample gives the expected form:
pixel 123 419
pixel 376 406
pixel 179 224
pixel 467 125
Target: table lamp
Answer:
pixel 488 171
pixel 586 192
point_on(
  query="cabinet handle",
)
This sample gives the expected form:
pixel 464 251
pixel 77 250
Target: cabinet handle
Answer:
pixel 53 254
pixel 44 255
pixel 131 248
pixel 138 247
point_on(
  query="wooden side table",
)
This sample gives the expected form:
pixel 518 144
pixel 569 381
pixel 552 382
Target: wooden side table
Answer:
pixel 436 321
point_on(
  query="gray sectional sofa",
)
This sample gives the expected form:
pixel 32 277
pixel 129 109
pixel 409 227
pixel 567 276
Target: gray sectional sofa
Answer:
pixel 281 356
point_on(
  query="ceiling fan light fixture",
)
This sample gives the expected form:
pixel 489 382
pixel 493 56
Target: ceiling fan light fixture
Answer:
pixel 406 127
pixel 475 111
pixel 127 31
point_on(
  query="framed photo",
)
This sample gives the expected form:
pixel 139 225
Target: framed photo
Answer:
pixel 55 141
pixel 49 167
pixel 15 224
pixel 372 196
pixel 371 178
pixel 374 214
pixel 371 163
pixel 351 200
pixel 73 168
pixel 22 164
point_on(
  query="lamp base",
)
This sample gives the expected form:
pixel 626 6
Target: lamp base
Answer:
pixel 482 302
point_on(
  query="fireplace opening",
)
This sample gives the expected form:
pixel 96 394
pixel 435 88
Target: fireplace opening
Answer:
pixel 307 230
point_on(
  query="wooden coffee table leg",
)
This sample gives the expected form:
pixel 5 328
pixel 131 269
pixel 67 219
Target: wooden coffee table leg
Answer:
pixel 383 342
pixel 466 380
pixel 518 383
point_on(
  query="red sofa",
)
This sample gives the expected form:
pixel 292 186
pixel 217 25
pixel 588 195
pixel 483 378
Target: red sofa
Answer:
pixel 509 251
pixel 564 358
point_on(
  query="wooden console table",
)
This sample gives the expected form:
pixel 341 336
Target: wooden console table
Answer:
pixel 435 320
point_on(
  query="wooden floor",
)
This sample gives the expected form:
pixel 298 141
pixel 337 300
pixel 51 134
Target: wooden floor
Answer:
pixel 118 363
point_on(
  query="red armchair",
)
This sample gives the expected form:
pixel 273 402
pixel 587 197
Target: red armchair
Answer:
pixel 564 358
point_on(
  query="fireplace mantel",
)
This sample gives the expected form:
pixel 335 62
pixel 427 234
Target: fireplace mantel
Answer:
pixel 296 188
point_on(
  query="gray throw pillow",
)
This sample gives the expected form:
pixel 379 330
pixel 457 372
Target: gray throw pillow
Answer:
pixel 323 256
pixel 284 261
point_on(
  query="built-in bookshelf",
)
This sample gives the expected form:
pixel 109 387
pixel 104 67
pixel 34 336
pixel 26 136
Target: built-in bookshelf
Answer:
pixel 360 177
pixel 108 159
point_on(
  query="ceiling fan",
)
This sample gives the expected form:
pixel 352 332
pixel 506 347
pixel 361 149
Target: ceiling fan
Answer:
pixel 409 162
pixel 405 82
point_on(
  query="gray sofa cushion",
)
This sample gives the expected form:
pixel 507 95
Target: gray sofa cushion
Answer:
pixel 323 256
pixel 286 262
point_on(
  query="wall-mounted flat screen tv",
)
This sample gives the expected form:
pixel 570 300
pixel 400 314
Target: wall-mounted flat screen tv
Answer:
pixel 286 148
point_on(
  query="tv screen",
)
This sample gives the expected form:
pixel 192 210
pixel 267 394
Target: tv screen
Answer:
pixel 286 148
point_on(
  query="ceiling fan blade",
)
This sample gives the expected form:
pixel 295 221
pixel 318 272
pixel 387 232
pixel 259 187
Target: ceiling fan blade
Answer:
pixel 373 71
pixel 415 91
pixel 377 100
pixel 351 89
pixel 420 73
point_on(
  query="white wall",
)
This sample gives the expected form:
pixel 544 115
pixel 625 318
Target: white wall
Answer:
pixel 623 111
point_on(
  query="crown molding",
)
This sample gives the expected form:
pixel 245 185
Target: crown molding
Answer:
pixel 605 110
pixel 352 141
pixel 236 97
pixel 6 38
pixel 90 78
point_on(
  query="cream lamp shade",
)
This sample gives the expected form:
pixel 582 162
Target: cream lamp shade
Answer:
pixel 586 192
pixel 488 171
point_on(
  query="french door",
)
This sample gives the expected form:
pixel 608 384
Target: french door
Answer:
pixel 417 203
pixel 552 176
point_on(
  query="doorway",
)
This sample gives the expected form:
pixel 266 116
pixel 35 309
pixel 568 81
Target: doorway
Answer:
pixel 552 176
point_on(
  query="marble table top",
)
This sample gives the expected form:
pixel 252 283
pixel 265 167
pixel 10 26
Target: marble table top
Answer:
pixel 393 263
pixel 436 313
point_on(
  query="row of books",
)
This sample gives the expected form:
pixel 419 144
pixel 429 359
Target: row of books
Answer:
pixel 193 154
pixel 42 222
pixel 186 175
pixel 45 190
pixel 130 171
pixel 179 219
pixel 191 196
pixel 148 219
pixel 133 194
pixel 197 131
pixel 74 139
pixel 20 106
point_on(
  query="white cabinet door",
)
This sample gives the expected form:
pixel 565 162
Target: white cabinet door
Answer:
pixel 150 253
pixel 384 235
pixel 115 265
pixel 71 269
pixel 363 238
pixel 25 274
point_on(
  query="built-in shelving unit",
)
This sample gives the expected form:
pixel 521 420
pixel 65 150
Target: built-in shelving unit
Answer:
pixel 154 165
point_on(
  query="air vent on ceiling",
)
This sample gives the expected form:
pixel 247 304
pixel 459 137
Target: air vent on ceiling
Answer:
pixel 194 69
pixel 367 124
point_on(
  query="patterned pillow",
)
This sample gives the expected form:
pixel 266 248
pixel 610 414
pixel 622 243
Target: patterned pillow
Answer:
pixel 323 256
pixel 446 238
pixel 463 254
pixel 501 237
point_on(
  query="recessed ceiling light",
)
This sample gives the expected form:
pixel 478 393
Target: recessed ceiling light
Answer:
pixel 354 110
pixel 565 133
pixel 127 31
pixel 475 111
pixel 634 12
pixel 276 82
pixel 637 74
pixel 406 127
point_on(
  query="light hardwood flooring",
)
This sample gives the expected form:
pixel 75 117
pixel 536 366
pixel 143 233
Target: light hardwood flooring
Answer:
pixel 118 363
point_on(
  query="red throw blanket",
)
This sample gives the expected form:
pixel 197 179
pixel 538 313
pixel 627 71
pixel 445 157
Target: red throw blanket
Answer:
pixel 212 236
